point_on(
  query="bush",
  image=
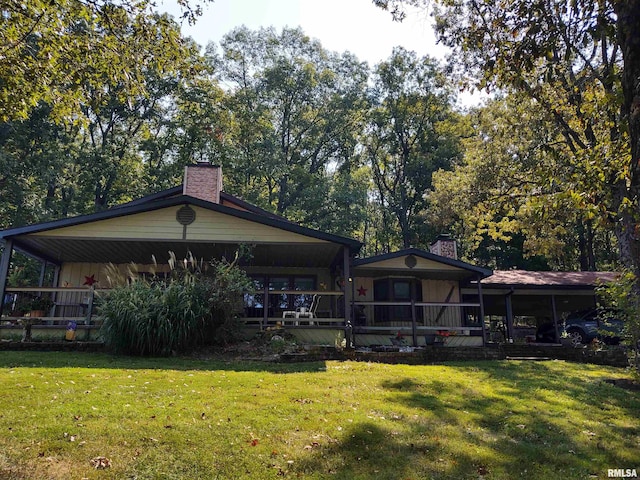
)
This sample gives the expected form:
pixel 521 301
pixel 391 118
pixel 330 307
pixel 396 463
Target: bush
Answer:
pixel 620 297
pixel 199 304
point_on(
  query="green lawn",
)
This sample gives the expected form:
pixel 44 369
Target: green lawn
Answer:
pixel 195 419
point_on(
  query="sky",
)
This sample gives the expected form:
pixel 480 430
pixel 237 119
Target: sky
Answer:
pixel 341 25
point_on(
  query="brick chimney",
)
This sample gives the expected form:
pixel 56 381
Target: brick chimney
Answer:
pixel 445 246
pixel 203 181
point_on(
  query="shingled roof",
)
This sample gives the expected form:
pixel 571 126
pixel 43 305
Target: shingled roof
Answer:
pixel 524 278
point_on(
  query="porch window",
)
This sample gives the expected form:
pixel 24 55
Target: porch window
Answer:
pixel 254 302
pixel 396 290
pixel 279 302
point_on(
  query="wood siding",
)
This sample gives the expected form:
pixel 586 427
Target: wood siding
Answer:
pixel 162 224
pixel 399 264
pixel 437 291
pixel 433 291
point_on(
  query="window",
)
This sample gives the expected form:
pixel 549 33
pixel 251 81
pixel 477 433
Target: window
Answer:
pixel 396 290
pixel 279 302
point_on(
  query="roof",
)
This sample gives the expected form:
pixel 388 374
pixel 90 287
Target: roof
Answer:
pixel 176 191
pixel 156 202
pixel 523 278
pixel 484 272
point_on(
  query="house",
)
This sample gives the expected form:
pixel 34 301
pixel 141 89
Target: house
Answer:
pixel 411 297
pixel 312 282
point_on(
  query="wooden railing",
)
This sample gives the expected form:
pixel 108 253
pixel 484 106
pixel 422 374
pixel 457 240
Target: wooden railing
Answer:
pixel 417 319
pixel 70 304
pixel 76 304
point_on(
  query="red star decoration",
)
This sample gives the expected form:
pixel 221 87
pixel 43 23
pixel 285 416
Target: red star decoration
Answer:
pixel 362 292
pixel 90 280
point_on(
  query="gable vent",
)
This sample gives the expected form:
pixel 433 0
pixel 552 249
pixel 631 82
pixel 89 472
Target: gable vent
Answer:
pixel 186 215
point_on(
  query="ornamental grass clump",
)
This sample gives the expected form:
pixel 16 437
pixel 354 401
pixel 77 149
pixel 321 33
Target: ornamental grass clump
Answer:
pixel 197 304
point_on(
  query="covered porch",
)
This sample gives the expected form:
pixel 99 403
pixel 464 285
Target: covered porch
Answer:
pixel 413 298
pixel 290 264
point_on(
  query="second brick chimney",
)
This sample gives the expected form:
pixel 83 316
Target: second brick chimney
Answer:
pixel 203 181
pixel 445 246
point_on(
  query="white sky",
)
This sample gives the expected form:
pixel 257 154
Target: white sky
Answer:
pixel 341 25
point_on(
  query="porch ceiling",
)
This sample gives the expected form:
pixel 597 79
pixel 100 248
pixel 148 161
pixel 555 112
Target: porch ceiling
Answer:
pixel 535 305
pixel 124 251
pixel 414 273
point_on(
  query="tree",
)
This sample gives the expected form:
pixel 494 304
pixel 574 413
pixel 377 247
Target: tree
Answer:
pixel 409 137
pixel 514 191
pixel 50 50
pixel 296 112
pixel 580 62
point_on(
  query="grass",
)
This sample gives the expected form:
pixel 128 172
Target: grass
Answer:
pixel 195 419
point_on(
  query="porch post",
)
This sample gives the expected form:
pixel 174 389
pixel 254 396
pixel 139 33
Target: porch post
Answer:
pixel 56 276
pixel 5 261
pixel 554 311
pixel 87 320
pixel 348 282
pixel 43 268
pixel 509 308
pixel 481 301
pixel 414 327
pixel 265 304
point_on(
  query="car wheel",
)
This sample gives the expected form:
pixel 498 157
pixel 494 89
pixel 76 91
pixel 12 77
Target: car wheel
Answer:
pixel 576 336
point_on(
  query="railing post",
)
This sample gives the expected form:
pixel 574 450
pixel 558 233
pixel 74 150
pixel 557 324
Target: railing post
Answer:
pixel 481 302
pixel 87 320
pixel 348 284
pixel 554 311
pixel 265 304
pixel 414 326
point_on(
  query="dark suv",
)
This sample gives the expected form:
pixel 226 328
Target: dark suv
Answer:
pixel 583 327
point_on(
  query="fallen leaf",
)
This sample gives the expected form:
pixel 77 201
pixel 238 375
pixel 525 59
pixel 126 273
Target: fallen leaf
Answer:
pixel 100 463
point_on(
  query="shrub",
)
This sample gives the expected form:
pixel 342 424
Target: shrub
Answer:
pixel 198 304
pixel 620 297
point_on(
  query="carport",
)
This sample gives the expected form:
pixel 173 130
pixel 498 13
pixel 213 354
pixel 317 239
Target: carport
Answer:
pixel 547 296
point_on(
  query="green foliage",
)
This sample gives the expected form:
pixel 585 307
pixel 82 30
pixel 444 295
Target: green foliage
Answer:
pixel 297 110
pixel 519 191
pixel 40 303
pixel 195 306
pixel 410 137
pixel 52 51
pixel 619 297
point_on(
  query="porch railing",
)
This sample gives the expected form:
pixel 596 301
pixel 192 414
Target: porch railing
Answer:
pixel 69 304
pixel 268 312
pixel 412 319
pixel 417 319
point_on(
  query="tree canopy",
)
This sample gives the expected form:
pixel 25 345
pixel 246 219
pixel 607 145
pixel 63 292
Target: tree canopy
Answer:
pixel 105 101
pixel 579 63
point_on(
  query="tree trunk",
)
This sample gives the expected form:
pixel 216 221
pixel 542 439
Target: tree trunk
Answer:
pixel 628 229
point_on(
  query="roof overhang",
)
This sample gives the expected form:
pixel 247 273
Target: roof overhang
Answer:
pixel 418 263
pixel 300 246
